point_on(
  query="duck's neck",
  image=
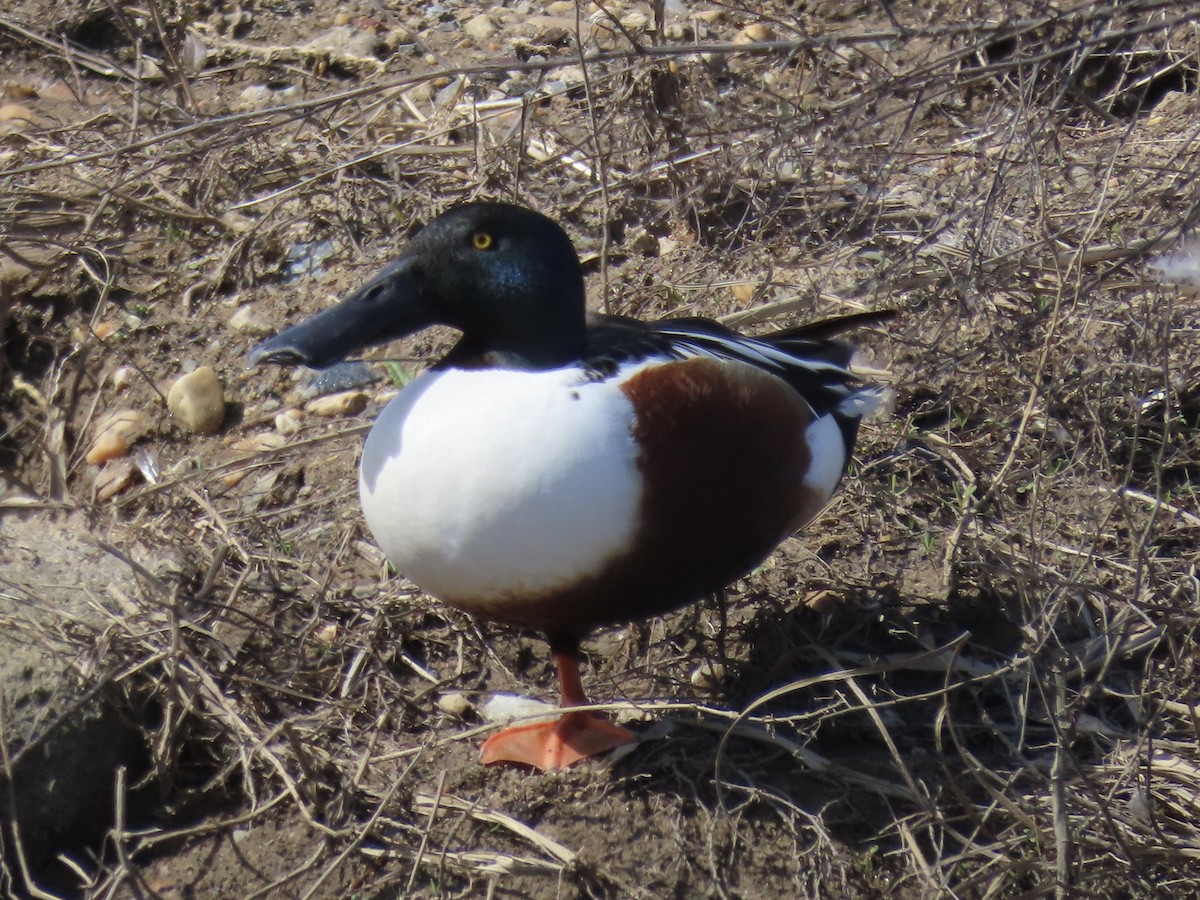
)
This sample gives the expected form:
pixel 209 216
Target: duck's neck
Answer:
pixel 547 337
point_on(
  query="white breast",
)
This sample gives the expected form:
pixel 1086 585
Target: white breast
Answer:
pixel 486 486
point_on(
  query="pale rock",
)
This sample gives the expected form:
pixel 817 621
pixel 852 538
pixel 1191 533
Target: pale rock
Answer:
pixel 114 476
pixel 262 96
pixel 257 443
pixel 15 112
pixel 116 433
pixel 823 601
pixel 149 69
pixel 754 33
pixel 237 20
pixel 289 421
pixel 122 378
pixel 198 401
pixel 454 703
pixel 346 40
pixel 246 320
pixel 396 38
pixel 572 76
pixel 743 293
pixel 480 28
pixel 347 403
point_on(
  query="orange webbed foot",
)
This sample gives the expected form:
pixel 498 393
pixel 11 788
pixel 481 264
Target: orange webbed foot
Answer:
pixel 550 746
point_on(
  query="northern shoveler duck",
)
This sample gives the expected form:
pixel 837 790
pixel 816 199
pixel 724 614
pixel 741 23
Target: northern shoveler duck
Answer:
pixel 559 471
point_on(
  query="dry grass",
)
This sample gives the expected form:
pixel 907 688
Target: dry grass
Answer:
pixel 1003 703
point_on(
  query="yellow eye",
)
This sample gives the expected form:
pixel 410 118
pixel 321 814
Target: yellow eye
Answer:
pixel 482 240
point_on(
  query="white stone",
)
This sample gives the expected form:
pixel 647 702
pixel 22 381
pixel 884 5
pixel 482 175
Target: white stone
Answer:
pixel 246 320
pixel 480 27
pixel 198 401
pixel 116 433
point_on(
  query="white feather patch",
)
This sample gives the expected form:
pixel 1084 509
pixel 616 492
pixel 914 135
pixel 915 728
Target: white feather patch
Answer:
pixel 489 486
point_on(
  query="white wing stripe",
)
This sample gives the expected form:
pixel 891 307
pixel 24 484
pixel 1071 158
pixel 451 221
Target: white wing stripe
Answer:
pixel 689 343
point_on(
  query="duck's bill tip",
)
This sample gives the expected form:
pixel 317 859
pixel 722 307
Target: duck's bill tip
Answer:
pixel 278 353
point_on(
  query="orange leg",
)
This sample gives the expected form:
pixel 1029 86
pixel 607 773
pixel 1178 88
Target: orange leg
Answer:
pixel 550 746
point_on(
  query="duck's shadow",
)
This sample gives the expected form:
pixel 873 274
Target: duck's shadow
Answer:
pixel 829 712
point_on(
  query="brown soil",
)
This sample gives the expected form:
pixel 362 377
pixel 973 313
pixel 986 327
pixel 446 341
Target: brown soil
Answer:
pixel 974 675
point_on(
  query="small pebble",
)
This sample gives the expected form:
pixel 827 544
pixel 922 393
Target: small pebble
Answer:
pixel 198 401
pixel 149 69
pixel 246 320
pixel 123 377
pixel 346 40
pixel 261 96
pixel 454 703
pixel 708 675
pixel 743 293
pixel 480 27
pixel 289 421
pixel 257 443
pixel 116 433
pixel 15 112
pixel 114 476
pixel 754 33
pixel 326 635
pixel 347 403
pixel 823 601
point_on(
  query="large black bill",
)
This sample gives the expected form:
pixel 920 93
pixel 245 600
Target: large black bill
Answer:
pixel 389 306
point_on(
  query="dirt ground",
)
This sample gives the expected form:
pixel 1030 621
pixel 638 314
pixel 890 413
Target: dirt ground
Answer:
pixel 973 676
